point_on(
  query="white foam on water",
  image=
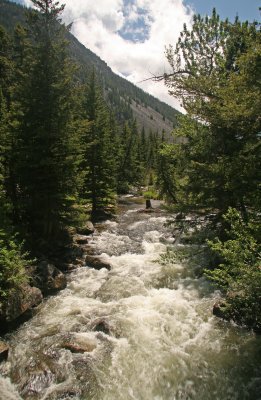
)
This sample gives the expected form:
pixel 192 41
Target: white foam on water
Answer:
pixel 163 344
pixel 7 390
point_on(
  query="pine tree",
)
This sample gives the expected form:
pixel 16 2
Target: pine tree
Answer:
pixel 130 171
pixel 215 69
pixel 46 160
pixel 99 162
pixel 6 75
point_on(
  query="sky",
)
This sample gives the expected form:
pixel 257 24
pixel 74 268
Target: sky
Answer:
pixel 131 35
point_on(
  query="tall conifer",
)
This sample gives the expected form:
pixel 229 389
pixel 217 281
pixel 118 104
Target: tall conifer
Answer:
pixel 46 158
pixel 99 164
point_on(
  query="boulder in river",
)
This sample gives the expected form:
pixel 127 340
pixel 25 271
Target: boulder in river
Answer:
pixel 19 302
pixel 79 343
pixel 97 262
pixel 101 325
pixel 79 348
pixel 50 278
pixel 80 239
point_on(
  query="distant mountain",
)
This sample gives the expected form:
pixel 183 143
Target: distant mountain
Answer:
pixel 126 99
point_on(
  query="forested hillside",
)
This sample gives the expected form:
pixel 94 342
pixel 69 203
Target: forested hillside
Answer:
pixel 127 100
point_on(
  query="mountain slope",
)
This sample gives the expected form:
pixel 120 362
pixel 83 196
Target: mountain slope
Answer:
pixel 127 99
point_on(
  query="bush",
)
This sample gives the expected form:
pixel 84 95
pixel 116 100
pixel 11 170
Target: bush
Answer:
pixel 239 272
pixel 13 263
pixel 151 194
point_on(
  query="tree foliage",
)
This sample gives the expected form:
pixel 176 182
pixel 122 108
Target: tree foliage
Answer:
pixel 214 165
pixel 98 163
pixel 239 272
pixel 216 75
pixel 13 262
pixel 46 163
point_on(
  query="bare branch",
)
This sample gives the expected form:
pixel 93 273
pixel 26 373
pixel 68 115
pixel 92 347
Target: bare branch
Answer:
pixel 158 78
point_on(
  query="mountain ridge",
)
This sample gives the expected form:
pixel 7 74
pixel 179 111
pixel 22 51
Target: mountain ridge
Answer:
pixel 127 100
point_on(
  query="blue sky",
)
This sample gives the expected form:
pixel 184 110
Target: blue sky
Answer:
pixel 131 35
pixel 246 9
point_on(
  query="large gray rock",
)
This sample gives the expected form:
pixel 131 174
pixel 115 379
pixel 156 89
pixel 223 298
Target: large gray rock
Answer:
pixel 23 299
pixel 50 279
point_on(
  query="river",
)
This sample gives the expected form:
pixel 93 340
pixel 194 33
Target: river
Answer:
pixel 142 331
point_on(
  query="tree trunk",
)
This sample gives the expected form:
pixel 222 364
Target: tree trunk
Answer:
pixel 148 204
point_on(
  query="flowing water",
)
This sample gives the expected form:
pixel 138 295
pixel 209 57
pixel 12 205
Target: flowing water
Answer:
pixel 142 331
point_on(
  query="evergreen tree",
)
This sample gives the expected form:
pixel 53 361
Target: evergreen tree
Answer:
pixel 215 67
pixel 99 164
pixel 6 75
pixel 143 146
pixel 216 162
pixel 130 171
pixel 46 160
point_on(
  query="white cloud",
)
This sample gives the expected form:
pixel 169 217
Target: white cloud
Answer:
pixel 97 24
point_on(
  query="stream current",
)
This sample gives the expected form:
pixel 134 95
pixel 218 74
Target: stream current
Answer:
pixel 157 340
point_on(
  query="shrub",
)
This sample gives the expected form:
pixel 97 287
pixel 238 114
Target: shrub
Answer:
pixel 239 272
pixel 13 263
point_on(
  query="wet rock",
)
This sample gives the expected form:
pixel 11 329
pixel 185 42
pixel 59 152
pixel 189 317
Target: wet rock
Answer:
pixel 97 262
pixel 50 278
pixel 79 343
pixel 67 267
pixel 23 299
pixel 4 349
pixel 90 250
pixel 67 255
pixel 101 325
pixel 79 348
pixel 87 229
pixel 75 252
pixel 79 262
pixel 104 326
pixel 80 239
